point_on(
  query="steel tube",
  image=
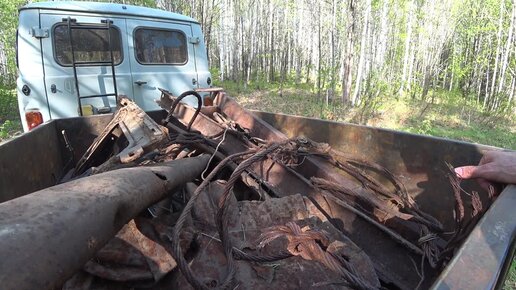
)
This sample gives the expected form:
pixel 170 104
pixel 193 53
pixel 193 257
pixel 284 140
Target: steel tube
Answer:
pixel 46 236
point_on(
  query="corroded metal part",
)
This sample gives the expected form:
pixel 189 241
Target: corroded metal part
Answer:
pixel 420 161
pixel 47 236
pixel 30 162
pixel 247 221
pixel 392 262
pixel 134 255
pixel 417 160
pixel 140 131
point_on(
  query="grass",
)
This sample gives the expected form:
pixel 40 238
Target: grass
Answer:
pixel 10 124
pixel 10 128
pixel 510 281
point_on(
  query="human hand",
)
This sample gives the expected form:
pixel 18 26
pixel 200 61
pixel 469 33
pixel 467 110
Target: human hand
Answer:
pixel 497 166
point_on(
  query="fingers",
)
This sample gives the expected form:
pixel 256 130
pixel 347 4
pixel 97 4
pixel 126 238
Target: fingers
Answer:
pixel 480 173
pixel 481 170
pixel 467 172
pixel 495 166
pixel 486 171
pixel 487 157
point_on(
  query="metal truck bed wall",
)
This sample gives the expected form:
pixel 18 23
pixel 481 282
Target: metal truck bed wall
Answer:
pixel 419 161
pixel 37 160
pixel 30 162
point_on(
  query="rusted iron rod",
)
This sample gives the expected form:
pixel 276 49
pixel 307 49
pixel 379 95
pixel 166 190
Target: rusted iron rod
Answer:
pixel 46 236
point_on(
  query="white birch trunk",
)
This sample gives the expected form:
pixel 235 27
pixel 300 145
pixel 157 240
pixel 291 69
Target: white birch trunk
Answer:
pixel 507 51
pixel 361 60
pixel 498 44
pixel 407 47
pixel 347 61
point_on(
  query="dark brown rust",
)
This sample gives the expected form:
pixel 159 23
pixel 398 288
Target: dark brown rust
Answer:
pixel 45 237
pixel 139 130
pixel 419 161
pixel 30 162
pixel 390 259
pixel 410 157
pixel 306 242
pixel 246 221
pixel 134 255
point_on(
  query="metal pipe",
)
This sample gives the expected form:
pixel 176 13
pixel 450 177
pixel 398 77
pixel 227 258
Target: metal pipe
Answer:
pixel 46 236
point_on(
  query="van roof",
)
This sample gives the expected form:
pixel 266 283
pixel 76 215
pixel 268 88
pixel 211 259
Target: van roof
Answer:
pixel 107 8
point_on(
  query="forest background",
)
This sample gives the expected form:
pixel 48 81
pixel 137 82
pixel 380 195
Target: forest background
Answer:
pixel 437 67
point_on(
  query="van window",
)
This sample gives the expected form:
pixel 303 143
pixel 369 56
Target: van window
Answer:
pixel 89 44
pixel 159 46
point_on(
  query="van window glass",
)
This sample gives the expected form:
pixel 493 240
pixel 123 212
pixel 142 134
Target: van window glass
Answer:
pixel 90 45
pixel 157 46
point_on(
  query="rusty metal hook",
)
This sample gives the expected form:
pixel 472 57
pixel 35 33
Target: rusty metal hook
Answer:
pixel 197 110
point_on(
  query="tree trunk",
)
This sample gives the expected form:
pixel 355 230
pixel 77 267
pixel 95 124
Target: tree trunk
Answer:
pixel 507 49
pixel 407 47
pixel 363 45
pixel 498 44
pixel 319 56
pixel 513 90
pixel 412 60
pixel 271 51
pixel 332 46
pixel 347 76
pixel 450 87
pixel 426 83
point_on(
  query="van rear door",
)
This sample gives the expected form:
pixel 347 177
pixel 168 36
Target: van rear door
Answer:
pixel 162 56
pixel 90 44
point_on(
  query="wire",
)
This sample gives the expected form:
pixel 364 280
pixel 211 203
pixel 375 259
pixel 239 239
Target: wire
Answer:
pixel 214 153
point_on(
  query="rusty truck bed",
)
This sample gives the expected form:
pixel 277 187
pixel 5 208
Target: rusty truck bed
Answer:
pixel 393 248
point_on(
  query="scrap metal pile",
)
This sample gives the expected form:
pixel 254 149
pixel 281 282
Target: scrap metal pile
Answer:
pixel 265 211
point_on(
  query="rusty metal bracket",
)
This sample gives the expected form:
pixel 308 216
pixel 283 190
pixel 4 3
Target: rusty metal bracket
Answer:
pixel 141 132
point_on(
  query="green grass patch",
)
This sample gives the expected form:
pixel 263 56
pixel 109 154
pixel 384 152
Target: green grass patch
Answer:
pixel 9 129
pixel 510 281
pixel 8 104
pixel 498 137
pixel 10 123
pixel 461 121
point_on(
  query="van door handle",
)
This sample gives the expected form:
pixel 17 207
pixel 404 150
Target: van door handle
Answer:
pixel 140 82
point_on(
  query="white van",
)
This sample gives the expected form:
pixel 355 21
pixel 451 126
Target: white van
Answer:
pixel 69 65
